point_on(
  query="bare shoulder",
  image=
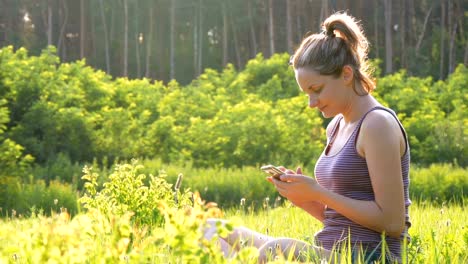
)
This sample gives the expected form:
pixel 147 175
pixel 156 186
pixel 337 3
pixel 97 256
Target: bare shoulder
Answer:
pixel 380 129
pixel 379 120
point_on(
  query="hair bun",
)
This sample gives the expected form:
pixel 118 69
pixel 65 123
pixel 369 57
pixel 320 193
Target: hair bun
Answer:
pixel 330 32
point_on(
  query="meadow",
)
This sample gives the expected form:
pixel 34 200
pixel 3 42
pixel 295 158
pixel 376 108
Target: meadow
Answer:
pixel 137 218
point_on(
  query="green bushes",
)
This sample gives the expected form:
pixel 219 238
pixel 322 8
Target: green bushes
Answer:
pixel 439 183
pixel 18 198
pixel 56 117
pixel 125 191
pixel 227 118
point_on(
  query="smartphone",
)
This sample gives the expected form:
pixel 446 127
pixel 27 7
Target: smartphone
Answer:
pixel 273 171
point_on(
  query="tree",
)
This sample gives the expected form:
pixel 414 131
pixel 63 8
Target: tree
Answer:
pixel 106 37
pixel 271 27
pixel 388 37
pixel 82 29
pixel 225 34
pixel 289 27
pixel 253 36
pixel 172 44
pixel 125 41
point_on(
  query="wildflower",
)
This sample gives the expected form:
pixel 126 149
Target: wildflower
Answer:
pixel 242 202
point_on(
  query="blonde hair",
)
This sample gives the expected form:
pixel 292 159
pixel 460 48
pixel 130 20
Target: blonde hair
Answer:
pixel 341 42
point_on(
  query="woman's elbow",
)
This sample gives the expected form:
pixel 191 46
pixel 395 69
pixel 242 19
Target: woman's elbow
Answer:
pixel 395 229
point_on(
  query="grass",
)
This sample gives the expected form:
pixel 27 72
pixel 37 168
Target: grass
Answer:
pixel 439 235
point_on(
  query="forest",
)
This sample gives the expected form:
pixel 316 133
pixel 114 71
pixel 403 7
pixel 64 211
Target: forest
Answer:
pixel 178 39
pixel 126 124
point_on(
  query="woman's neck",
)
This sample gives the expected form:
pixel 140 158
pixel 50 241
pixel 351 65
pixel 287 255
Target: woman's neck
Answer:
pixel 358 107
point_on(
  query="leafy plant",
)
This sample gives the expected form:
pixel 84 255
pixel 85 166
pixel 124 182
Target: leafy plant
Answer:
pixel 126 191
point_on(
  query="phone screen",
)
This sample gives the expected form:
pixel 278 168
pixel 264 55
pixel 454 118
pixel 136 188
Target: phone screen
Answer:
pixel 273 171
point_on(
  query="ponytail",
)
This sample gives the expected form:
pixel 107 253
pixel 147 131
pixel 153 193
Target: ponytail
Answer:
pixel 341 42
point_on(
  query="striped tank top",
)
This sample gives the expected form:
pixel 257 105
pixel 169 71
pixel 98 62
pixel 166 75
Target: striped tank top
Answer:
pixel 346 173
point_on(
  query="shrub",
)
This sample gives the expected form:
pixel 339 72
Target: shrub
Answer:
pixel 439 183
pixel 125 191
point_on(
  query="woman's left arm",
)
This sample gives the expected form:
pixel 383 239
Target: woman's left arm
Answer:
pixel 381 142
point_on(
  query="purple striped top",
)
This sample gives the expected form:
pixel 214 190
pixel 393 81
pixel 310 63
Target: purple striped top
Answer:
pixel 346 173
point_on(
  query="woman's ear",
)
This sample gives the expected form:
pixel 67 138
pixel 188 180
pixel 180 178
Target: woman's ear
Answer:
pixel 348 75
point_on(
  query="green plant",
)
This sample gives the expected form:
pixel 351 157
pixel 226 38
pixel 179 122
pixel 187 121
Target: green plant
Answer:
pixel 126 191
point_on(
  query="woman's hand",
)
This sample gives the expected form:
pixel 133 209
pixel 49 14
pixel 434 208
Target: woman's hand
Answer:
pixel 297 188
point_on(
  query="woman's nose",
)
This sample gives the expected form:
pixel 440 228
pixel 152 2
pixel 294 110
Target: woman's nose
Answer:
pixel 313 101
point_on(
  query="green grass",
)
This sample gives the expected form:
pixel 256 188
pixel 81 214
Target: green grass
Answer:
pixel 439 232
pixel 439 235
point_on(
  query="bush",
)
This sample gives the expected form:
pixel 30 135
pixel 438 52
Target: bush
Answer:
pixel 125 191
pixel 439 183
pixel 24 199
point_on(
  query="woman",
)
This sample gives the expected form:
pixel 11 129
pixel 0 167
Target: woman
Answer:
pixel 360 188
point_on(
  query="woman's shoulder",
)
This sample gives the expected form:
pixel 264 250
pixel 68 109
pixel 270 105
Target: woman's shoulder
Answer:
pixel 380 118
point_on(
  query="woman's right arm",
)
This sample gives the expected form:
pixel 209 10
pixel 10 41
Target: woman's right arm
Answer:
pixel 315 209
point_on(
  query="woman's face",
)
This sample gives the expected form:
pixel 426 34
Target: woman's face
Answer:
pixel 328 94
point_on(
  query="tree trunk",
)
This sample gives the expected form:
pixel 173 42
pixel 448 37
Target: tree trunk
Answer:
pixel 225 34
pixel 49 23
pixel 172 40
pixel 421 35
pixel 388 37
pixel 452 31
pixel 452 62
pixel 149 39
pixel 106 37
pixel 299 11
pixel 253 36
pixel 235 38
pixel 323 11
pixel 64 18
pixel 125 51
pixel 465 58
pixel 195 39
pixel 289 27
pixel 139 38
pixel 402 29
pixel 82 29
pixel 376 29
pixel 200 38
pixel 442 39
pixel 271 28
pixel 411 29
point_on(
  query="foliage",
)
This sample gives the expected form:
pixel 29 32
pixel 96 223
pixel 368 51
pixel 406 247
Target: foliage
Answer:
pixel 113 229
pixel 226 118
pixel 438 235
pixel 20 198
pixel 126 191
pixel 439 183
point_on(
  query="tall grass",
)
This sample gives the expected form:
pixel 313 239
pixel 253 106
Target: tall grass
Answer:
pixel 439 235
pixel 119 226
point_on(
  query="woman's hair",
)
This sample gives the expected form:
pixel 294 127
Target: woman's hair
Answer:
pixel 341 42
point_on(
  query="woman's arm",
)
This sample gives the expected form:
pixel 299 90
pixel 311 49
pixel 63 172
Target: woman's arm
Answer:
pixel 381 143
pixel 315 209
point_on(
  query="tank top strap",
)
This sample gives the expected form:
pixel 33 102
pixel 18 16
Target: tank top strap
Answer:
pixel 336 125
pixel 358 127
